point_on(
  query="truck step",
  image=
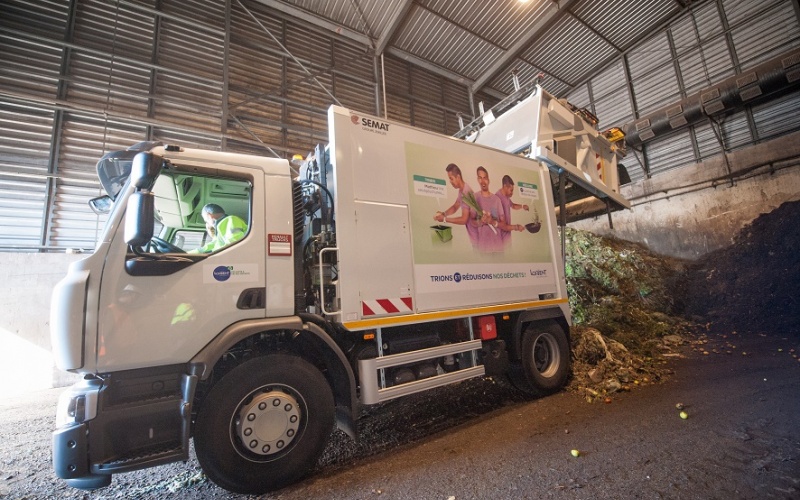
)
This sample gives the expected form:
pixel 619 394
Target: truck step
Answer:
pixel 141 459
pixel 372 393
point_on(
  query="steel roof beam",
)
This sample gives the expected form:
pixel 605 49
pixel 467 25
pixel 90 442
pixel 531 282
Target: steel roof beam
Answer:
pixel 436 69
pixel 397 19
pixel 321 22
pixel 553 12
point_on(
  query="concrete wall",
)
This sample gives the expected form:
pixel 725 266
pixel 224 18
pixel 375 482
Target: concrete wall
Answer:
pixel 27 280
pixel 707 211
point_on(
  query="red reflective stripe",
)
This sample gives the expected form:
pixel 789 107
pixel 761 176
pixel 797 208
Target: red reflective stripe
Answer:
pixel 407 301
pixel 365 310
pixel 387 305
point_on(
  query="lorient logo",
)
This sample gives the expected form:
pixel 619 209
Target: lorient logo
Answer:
pixel 243 272
pixel 222 273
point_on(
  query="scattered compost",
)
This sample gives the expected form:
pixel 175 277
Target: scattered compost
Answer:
pixel 752 286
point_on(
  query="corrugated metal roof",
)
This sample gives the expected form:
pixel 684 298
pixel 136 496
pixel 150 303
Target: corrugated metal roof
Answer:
pixel 609 80
pixel 623 21
pixel 766 35
pixel 614 109
pixel 777 117
pixel 699 27
pixel 434 38
pixel 612 101
pixel 467 38
pixel 648 56
pixel 702 67
pixel 25 135
pixel 567 49
pixel 737 11
pixel 376 13
pixel 501 22
pixel 580 97
pixel 669 152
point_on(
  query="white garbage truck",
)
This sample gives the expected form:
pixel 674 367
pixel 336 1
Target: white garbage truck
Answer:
pixel 386 263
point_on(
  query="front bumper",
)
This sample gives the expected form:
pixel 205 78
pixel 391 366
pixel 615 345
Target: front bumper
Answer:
pixel 125 421
pixel 71 458
pixel 76 406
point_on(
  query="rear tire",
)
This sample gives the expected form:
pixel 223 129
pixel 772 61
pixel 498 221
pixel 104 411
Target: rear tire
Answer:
pixel 264 425
pixel 544 367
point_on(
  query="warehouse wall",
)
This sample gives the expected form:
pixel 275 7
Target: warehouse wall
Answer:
pixel 707 210
pixel 81 78
pixel 28 279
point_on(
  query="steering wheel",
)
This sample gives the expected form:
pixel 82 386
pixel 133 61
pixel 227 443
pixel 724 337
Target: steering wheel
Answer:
pixel 164 246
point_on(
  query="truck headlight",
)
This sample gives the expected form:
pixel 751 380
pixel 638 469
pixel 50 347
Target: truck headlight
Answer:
pixel 78 403
pixel 72 410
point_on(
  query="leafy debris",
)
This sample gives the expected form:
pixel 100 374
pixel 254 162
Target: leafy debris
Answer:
pixel 623 301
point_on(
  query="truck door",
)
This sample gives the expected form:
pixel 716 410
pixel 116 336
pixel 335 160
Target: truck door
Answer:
pixel 162 306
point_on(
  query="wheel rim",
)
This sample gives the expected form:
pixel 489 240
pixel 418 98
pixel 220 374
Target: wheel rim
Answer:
pixel 267 423
pixel 546 355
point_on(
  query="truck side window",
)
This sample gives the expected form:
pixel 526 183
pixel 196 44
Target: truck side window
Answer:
pixel 199 214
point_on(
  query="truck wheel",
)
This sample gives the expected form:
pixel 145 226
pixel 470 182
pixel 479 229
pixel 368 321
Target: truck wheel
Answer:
pixel 264 425
pixel 544 367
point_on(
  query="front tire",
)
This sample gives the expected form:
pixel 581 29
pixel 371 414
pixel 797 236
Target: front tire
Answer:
pixel 544 367
pixel 264 425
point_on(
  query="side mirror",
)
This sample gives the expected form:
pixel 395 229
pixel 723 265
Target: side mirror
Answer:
pixel 101 205
pixel 145 169
pixel 140 212
pixel 139 219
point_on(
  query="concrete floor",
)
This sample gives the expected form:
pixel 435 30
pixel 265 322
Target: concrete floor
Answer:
pixel 740 440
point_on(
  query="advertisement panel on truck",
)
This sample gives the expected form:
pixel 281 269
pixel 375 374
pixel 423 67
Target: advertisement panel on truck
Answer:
pixel 476 226
pixel 469 224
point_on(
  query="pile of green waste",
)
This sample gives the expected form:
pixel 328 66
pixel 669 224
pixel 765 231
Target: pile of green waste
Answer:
pixel 624 302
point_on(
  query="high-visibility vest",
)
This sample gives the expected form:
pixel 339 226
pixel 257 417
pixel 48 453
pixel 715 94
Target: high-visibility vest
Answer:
pixel 230 229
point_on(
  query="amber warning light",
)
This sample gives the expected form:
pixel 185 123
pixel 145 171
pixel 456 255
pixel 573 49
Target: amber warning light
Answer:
pixel 279 244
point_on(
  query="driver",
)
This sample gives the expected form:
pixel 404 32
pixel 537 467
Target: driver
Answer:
pixel 223 229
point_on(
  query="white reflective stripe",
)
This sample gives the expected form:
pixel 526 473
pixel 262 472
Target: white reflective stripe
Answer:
pixel 400 305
